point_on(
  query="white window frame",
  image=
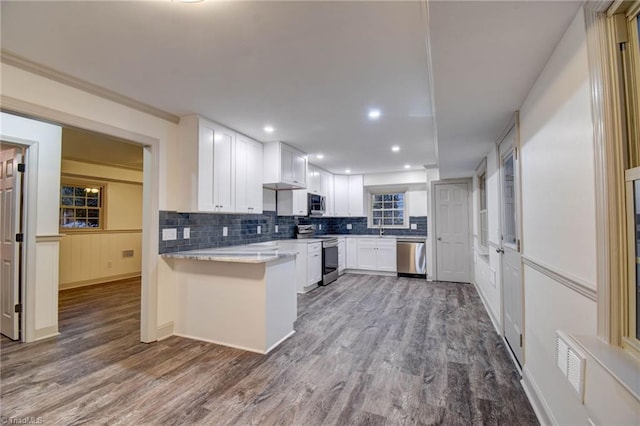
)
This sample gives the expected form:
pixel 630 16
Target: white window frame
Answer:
pixel 381 191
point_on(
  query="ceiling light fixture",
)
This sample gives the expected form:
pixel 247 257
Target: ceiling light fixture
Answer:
pixel 374 114
pixel 268 129
pixel 407 166
pixel 395 148
pixel 320 156
pixel 348 171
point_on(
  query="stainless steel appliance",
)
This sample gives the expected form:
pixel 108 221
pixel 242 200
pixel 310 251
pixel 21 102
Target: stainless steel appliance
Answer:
pixel 305 231
pixel 329 260
pixel 316 204
pixel 411 257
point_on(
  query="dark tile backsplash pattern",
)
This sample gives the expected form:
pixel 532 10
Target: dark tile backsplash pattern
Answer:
pixel 206 228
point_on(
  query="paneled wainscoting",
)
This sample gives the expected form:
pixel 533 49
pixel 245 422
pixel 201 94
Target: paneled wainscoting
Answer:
pixel 368 350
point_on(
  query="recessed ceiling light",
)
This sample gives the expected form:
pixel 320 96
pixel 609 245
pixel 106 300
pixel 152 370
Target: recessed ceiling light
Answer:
pixel 407 166
pixel 320 156
pixel 348 171
pixel 395 148
pixel 269 129
pixel 374 114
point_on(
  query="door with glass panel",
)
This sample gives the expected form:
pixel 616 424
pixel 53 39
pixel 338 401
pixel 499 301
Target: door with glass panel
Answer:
pixel 512 288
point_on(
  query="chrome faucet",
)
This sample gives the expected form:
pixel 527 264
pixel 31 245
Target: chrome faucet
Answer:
pixel 381 231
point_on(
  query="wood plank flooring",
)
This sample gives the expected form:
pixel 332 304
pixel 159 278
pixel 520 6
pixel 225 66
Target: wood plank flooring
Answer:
pixel 368 350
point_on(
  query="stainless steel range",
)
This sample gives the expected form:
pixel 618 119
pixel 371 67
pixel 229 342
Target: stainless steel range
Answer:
pixel 329 260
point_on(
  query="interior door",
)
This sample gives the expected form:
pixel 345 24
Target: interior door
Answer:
pixel 10 203
pixel 452 232
pixel 512 299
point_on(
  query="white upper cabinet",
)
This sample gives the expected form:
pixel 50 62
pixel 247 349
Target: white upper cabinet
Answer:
pixel 314 181
pixel 292 203
pixel 220 171
pixel 348 195
pixel 356 195
pixel 328 189
pixel 284 167
pixel 249 165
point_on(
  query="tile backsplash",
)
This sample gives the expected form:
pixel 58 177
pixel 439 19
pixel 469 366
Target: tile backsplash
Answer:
pixel 206 228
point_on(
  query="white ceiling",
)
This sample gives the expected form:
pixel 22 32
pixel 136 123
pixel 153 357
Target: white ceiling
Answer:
pixel 310 69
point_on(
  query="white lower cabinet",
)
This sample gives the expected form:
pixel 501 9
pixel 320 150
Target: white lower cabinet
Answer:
pixel 376 254
pixel 314 263
pixel 342 255
pixel 352 253
pixel 308 263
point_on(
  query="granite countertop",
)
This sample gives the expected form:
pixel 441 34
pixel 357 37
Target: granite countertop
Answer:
pixel 236 254
pixel 300 240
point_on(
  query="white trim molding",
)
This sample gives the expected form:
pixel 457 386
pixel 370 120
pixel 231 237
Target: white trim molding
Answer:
pixel 566 280
pixel 17 61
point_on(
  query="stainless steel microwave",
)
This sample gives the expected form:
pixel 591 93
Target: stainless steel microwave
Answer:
pixel 316 204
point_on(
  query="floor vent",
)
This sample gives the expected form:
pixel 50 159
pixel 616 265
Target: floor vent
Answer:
pixel 571 362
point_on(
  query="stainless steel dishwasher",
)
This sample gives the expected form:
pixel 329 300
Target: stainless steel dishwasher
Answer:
pixel 411 257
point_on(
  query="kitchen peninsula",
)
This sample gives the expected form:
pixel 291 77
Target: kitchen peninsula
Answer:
pixel 243 296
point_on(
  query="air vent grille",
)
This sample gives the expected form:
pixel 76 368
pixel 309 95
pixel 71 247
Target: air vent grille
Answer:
pixel 571 362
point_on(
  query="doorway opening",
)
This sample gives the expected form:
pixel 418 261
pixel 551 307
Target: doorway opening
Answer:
pixel 101 201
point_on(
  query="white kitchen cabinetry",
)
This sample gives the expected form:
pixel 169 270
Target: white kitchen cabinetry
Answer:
pixel 356 195
pixel 348 195
pixel 284 167
pixel 308 263
pixel 328 189
pixel 352 253
pixel 314 263
pixel 342 255
pixel 292 203
pixel 220 170
pixel 207 166
pixel 248 160
pixel 314 182
pixel 376 254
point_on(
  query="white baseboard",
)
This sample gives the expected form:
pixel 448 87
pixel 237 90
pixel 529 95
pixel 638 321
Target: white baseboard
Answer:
pixel 165 330
pixel 102 280
pixel 494 320
pixel 244 348
pixel 540 406
pixel 45 333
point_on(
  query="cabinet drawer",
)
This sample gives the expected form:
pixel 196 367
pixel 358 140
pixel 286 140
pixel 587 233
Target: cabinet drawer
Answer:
pixel 315 248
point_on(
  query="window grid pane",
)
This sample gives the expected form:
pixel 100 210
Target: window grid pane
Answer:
pixel 80 206
pixel 387 209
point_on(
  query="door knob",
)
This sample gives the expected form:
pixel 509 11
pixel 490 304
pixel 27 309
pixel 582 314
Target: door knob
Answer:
pixel 439 239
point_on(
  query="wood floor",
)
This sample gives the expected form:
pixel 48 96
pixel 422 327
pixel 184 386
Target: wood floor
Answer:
pixel 368 350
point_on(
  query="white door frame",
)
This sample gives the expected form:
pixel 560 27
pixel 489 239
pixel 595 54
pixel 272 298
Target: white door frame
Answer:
pixel 434 245
pixel 150 209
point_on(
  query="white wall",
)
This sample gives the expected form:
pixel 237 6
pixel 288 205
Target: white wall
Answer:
pixel 42 92
pixel 41 210
pixel 558 193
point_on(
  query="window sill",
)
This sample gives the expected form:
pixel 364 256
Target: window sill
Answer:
pixel 622 366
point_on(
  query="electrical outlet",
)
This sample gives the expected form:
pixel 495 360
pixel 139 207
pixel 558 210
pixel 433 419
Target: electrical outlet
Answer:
pixel 259 231
pixel 169 234
pixel 320 227
pixel 109 264
pixel 186 233
pixel 225 231
pixel 276 229
pixel 349 226
pixel 414 226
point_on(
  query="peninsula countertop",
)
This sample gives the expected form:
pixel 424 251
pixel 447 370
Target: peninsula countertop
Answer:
pixel 235 254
